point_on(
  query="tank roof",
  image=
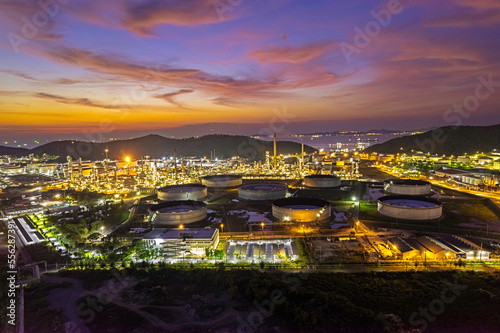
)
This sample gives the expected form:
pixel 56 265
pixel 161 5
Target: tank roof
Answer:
pixel 265 187
pixel 321 177
pixel 300 203
pixel 182 188
pixel 221 177
pixel 413 182
pixel 409 201
pixel 177 206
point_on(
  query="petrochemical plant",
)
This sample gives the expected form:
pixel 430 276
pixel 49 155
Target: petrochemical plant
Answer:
pixel 148 176
pixel 252 210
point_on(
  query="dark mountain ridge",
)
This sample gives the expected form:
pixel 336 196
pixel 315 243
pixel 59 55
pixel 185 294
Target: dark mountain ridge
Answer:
pixel 157 146
pixel 449 140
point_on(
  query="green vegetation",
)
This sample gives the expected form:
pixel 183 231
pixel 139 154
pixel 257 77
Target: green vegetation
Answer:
pixel 458 211
pixel 81 226
pixel 319 302
pixel 420 166
pixel 214 254
pixel 368 211
pixel 145 251
pixel 42 317
pixel 449 140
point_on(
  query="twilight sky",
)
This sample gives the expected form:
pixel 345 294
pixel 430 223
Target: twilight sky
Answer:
pixel 79 66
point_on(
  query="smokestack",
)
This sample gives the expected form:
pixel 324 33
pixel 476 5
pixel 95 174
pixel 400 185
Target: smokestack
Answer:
pixel 175 164
pixel 302 158
pixel 274 140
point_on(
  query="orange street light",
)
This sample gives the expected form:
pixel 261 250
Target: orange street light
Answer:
pixel 181 227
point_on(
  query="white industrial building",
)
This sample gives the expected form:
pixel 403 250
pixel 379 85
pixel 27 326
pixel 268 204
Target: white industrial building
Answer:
pixel 184 242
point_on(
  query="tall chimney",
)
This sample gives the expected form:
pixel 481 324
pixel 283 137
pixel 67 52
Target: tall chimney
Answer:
pixel 175 164
pixel 302 158
pixel 274 140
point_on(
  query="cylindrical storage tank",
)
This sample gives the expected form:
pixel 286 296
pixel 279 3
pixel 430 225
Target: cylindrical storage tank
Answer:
pixel 175 213
pixel 408 207
pixel 321 181
pixel 407 187
pixel 222 180
pixel 301 209
pixel 182 192
pixel 262 191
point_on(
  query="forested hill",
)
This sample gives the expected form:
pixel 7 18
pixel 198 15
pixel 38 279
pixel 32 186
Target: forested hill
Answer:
pixel 449 140
pixel 156 146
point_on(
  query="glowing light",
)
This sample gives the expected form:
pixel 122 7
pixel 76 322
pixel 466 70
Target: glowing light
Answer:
pixel 127 159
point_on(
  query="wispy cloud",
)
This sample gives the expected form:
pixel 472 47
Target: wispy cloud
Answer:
pixel 141 18
pixel 169 97
pixel 76 101
pixel 292 54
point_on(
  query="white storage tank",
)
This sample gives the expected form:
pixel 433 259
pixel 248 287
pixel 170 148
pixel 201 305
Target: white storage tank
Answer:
pixel 301 209
pixel 321 181
pixel 182 192
pixel 222 180
pixel 264 191
pixel 175 213
pixel 407 187
pixel 407 207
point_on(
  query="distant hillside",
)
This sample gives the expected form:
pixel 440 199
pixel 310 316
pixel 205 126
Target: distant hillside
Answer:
pixel 449 140
pixel 13 151
pixel 157 146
